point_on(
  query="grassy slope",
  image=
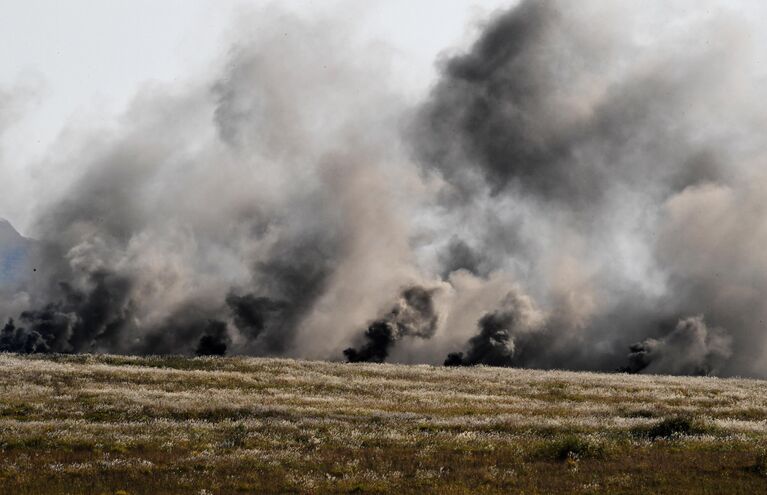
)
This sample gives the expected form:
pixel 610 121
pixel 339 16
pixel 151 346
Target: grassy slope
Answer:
pixel 86 424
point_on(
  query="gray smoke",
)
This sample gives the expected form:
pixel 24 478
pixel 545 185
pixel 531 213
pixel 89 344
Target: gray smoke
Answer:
pixel 690 349
pixel 590 147
pixel 458 255
pixel 216 214
pixel 505 335
pixel 582 188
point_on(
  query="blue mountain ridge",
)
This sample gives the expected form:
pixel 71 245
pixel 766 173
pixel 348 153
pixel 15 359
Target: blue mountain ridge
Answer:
pixel 15 256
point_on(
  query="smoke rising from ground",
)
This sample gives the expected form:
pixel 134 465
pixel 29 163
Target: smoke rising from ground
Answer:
pixel 220 202
pixel 572 193
pixel 214 341
pixel 504 335
pixel 690 349
pixel 575 154
pixel 412 316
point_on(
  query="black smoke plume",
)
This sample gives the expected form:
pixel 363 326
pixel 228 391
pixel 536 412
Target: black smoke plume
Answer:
pixel 379 337
pixel 83 320
pixel 413 316
pixel 505 336
pixel 215 340
pixel 492 346
pixel 18 339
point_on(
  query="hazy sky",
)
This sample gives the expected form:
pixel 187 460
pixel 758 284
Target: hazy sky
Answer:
pixel 81 61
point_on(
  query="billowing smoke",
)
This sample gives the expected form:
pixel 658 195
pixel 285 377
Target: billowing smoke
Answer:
pixel 77 321
pixel 600 168
pixel 15 339
pixel 252 315
pixel 582 188
pixel 412 316
pixel 690 349
pixel 505 335
pixel 216 215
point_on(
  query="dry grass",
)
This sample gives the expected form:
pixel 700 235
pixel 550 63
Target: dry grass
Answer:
pixel 105 424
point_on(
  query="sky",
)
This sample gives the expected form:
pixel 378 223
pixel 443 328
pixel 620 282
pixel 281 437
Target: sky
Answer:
pixel 81 62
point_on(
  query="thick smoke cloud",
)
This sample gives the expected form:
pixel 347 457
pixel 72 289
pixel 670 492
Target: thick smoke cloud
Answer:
pixel 215 340
pixel 413 316
pixel 15 339
pixel 504 335
pixel 582 188
pixel 76 322
pixel 253 314
pixel 458 255
pixel 588 146
pixel 690 349
pixel 217 214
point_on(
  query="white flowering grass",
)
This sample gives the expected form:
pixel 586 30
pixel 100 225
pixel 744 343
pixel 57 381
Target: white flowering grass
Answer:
pixel 100 424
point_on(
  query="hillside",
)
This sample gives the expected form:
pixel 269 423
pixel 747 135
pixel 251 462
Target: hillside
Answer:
pixel 15 252
pixel 107 424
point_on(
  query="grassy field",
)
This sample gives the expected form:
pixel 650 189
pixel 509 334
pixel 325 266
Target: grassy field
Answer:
pixel 108 424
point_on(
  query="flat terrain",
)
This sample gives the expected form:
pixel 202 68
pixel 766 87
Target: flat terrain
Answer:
pixel 108 424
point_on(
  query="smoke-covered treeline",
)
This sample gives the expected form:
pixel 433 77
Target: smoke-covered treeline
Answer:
pixel 582 188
